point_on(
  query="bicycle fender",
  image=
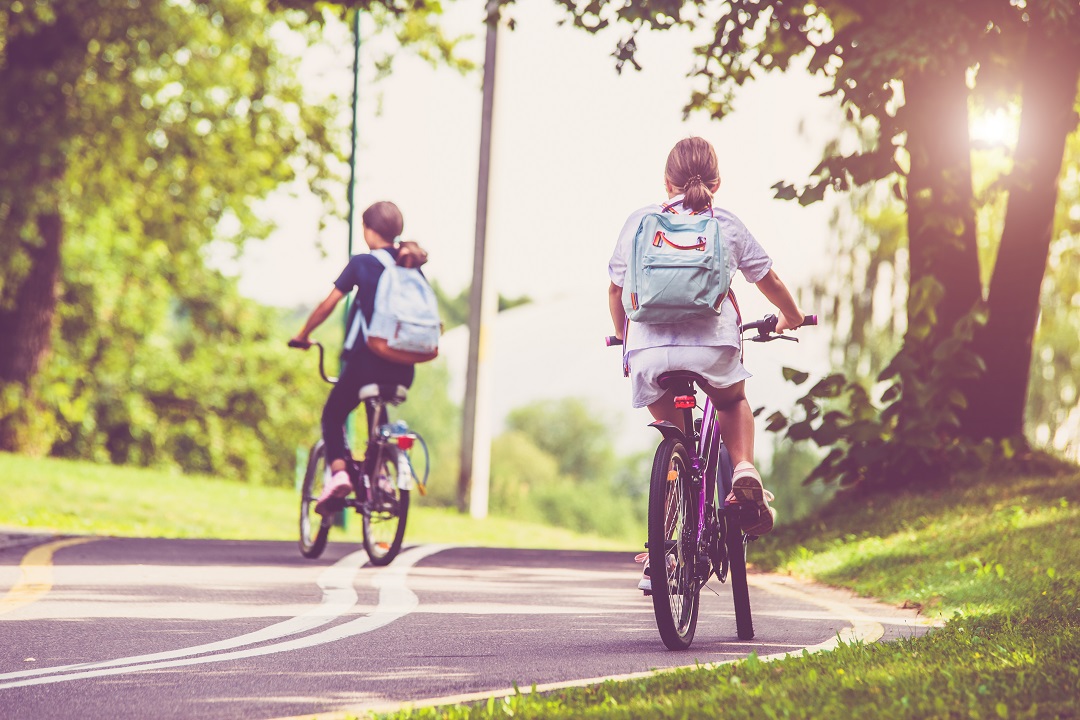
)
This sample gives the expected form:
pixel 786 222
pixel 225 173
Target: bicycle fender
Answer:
pixel 670 432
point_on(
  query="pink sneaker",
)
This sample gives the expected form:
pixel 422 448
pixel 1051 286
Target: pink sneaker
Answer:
pixel 337 488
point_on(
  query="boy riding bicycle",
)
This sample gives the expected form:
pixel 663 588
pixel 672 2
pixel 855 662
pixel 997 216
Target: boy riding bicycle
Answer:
pixel 382 224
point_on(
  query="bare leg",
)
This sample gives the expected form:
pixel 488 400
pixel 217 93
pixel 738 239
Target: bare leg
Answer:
pixel 664 409
pixel 736 420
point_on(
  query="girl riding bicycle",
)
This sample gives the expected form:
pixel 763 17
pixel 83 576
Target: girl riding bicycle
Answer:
pixel 710 346
pixel 382 224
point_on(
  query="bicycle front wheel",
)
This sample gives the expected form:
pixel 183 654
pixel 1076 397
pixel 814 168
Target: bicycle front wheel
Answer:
pixel 314 529
pixel 672 540
pixel 384 522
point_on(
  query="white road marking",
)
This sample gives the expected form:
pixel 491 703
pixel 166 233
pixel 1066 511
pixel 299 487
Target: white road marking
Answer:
pixel 863 628
pixel 395 601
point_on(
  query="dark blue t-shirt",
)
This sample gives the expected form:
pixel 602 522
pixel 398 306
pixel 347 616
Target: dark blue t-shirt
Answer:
pixel 363 273
pixel 361 364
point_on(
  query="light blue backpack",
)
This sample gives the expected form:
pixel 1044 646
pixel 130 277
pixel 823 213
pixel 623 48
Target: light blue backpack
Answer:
pixel 405 326
pixel 677 270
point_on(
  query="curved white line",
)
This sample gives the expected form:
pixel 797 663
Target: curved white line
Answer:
pixel 395 601
pixel 862 629
pixel 338 597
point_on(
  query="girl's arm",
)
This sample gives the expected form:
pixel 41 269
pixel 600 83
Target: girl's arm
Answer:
pixel 618 314
pixel 319 315
pixel 773 288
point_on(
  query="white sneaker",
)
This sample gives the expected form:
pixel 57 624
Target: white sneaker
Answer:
pixel 746 487
pixel 645 583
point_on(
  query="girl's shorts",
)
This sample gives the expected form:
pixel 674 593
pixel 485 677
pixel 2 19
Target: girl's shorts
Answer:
pixel 721 366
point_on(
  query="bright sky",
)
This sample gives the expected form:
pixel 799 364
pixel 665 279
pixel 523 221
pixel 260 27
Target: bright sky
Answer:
pixel 576 149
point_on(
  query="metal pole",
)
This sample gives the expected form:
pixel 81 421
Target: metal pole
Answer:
pixel 350 422
pixel 475 435
pixel 355 132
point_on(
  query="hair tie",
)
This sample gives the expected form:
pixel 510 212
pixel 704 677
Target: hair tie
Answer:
pixel 693 179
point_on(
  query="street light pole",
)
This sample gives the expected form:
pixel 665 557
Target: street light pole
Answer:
pixel 474 478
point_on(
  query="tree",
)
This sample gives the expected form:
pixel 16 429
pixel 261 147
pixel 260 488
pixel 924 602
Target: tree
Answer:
pixel 167 117
pixel 903 68
pixel 168 120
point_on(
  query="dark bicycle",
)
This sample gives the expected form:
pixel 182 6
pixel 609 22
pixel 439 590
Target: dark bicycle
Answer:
pixel 381 480
pixel 694 533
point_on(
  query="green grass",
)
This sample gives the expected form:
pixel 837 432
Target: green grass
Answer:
pixel 73 497
pixel 998 556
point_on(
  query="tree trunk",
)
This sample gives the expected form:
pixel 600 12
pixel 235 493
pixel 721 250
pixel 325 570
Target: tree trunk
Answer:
pixel 941 208
pixel 37 83
pixel 27 327
pixel 997 401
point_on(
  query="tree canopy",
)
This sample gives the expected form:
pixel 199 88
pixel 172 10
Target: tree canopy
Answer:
pixel 909 72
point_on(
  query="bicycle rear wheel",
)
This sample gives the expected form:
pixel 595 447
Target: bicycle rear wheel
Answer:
pixel 314 529
pixel 672 540
pixel 736 550
pixel 384 523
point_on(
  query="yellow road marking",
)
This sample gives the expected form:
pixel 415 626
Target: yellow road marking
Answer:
pixel 36 575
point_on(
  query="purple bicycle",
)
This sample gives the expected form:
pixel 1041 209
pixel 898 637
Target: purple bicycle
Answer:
pixel 693 533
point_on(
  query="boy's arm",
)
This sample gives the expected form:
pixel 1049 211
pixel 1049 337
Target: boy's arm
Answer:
pixel 319 315
pixel 618 313
pixel 773 288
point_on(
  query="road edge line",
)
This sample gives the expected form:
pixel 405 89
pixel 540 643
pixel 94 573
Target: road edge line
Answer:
pixel 862 629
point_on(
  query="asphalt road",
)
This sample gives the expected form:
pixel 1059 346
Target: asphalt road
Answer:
pixel 128 628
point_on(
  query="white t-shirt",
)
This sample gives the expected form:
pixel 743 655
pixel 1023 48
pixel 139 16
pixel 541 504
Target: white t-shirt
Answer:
pixel 744 253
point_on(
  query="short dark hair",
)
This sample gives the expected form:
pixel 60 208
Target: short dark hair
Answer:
pixel 385 218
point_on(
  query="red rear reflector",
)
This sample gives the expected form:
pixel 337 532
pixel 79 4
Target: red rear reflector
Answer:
pixel 685 401
pixel 405 442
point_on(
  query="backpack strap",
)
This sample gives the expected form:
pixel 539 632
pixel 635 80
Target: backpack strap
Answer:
pixel 738 317
pixel 359 323
pixel 670 207
pixel 383 255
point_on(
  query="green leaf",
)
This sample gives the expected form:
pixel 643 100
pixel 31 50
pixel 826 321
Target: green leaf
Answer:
pixel 776 421
pixel 784 191
pixel 829 387
pixel 796 377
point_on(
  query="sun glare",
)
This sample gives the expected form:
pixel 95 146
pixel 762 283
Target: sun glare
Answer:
pixel 996 129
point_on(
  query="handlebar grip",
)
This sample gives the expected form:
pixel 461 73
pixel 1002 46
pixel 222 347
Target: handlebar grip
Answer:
pixel 298 344
pixel 611 340
pixel 809 320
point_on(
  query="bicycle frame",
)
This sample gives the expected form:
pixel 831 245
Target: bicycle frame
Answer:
pixel 706 454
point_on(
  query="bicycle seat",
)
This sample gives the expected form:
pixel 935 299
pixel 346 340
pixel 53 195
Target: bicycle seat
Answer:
pixel 673 378
pixel 387 392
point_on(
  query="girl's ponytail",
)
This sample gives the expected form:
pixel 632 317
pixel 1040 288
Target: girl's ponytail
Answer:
pixel 692 169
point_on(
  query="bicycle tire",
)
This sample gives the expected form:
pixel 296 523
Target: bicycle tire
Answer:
pixel 672 533
pixel 387 514
pixel 314 531
pixel 740 592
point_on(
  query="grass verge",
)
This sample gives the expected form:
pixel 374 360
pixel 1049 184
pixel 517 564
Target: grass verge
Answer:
pixel 996 555
pixel 73 497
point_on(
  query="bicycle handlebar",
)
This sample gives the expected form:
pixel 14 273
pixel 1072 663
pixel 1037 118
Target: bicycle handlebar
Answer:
pixel 766 328
pixel 322 368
